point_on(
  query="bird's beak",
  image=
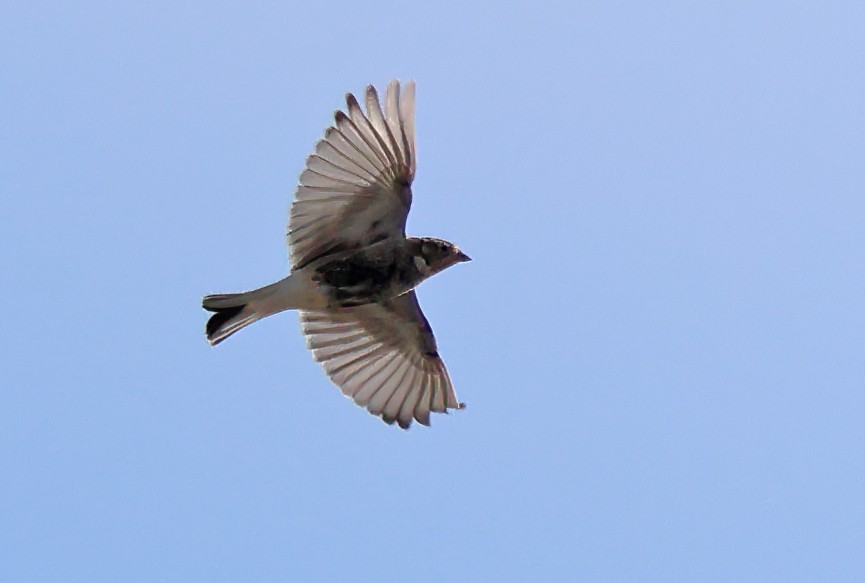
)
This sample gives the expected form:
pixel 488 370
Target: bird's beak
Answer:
pixel 461 257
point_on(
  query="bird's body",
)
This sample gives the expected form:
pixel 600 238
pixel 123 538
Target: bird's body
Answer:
pixel 376 273
pixel 354 271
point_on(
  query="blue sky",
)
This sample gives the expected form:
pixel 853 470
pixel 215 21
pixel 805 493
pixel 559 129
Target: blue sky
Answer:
pixel 661 338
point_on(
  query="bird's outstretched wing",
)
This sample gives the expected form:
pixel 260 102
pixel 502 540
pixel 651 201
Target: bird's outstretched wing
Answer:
pixel 384 357
pixel 356 187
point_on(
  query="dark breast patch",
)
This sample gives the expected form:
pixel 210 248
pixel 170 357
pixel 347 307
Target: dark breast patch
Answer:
pixel 357 279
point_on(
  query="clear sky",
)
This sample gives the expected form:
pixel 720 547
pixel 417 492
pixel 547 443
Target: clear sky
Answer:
pixel 661 338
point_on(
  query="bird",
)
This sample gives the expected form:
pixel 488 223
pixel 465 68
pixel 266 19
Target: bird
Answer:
pixel 353 268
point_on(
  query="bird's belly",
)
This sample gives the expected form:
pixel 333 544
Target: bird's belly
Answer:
pixel 301 292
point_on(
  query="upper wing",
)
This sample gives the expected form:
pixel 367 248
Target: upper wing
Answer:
pixel 384 357
pixel 356 187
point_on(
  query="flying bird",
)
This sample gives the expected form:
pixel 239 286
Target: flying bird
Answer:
pixel 354 270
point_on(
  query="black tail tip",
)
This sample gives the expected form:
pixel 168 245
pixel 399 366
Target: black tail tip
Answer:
pixel 221 316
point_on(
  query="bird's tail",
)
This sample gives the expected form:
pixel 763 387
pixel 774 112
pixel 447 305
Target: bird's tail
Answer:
pixel 233 312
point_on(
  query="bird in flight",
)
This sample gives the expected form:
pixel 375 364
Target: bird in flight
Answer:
pixel 354 271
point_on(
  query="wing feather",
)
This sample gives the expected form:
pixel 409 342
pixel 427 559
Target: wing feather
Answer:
pixel 424 406
pixel 382 131
pixel 399 393
pixel 367 132
pixel 344 173
pixel 353 135
pixel 340 143
pixel 327 151
pixel 384 357
pixel 398 124
pixel 359 178
pixel 406 117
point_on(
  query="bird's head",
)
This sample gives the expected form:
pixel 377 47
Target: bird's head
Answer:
pixel 435 255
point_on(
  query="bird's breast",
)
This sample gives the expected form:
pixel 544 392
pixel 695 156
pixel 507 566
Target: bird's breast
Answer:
pixel 362 278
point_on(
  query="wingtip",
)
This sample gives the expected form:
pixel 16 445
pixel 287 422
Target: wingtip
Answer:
pixel 402 424
pixel 351 101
